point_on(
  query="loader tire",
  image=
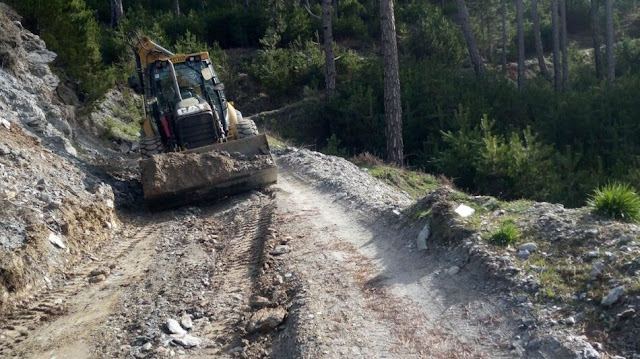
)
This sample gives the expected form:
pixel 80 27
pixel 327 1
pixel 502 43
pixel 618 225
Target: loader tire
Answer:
pixel 150 146
pixel 246 128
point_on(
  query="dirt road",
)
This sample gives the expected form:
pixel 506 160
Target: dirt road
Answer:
pixel 351 283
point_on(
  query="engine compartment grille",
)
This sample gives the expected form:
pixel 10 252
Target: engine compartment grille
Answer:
pixel 196 131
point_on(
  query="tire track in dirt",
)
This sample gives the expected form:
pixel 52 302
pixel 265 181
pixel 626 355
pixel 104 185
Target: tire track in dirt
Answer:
pixel 238 271
pixel 19 327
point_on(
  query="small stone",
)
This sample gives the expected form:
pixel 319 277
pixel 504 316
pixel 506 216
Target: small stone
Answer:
pixel 266 319
pixel 531 247
pixel 591 232
pixel 97 278
pixel 4 149
pixel 277 280
pixel 56 240
pixel 627 314
pixel 186 340
pixel 528 322
pixel 453 270
pixel 570 321
pixel 597 270
pixel 593 254
pixel 524 254
pixel 625 239
pixel 174 327
pixel 464 211
pixel 147 346
pixel 186 321
pixel 613 296
pixel 279 250
pixel 260 302
pixel 424 234
pixel 5 123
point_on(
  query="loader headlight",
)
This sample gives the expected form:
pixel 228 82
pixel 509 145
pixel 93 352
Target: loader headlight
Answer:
pixel 191 109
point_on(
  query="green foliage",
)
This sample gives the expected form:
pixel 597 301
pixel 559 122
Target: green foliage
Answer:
pixel 333 146
pixel 506 235
pixel 283 70
pixel 116 129
pixel 430 34
pixel 616 200
pixel 519 166
pixel 70 29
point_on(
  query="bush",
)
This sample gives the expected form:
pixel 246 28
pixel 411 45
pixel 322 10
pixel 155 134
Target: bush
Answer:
pixel 616 201
pixel 506 235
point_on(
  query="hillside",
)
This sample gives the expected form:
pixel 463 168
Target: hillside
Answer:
pixel 345 256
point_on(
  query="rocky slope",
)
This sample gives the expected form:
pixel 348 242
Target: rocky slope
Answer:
pixel 55 209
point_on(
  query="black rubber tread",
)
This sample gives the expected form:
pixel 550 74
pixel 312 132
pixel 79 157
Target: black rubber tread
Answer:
pixel 150 146
pixel 246 128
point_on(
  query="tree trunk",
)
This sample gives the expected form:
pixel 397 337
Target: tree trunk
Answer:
pixel 330 62
pixel 538 40
pixel 116 13
pixel 563 40
pixel 392 103
pixel 335 8
pixel 176 7
pixel 595 34
pixel 557 72
pixel 521 69
pixel 611 65
pixel 474 54
pixel 504 36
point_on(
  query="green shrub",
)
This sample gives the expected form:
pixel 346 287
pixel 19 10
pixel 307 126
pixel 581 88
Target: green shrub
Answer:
pixel 283 71
pixel 506 235
pixel 617 201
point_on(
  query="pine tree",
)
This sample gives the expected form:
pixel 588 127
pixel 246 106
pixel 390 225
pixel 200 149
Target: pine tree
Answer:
pixel 392 102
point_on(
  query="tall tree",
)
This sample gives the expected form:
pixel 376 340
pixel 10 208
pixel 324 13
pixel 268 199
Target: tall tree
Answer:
pixel 557 72
pixel 563 41
pixel 595 34
pixel 474 54
pixel 392 103
pixel 176 7
pixel 330 62
pixel 504 36
pixel 611 65
pixel 116 13
pixel 521 69
pixel 538 40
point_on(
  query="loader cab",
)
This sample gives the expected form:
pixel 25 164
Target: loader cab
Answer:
pixel 189 106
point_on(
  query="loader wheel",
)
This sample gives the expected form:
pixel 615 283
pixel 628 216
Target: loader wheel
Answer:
pixel 246 128
pixel 150 146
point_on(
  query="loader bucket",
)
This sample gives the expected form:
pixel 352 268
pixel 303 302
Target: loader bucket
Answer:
pixel 207 173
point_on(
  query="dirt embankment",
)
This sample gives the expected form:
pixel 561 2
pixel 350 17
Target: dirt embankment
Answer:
pixel 54 211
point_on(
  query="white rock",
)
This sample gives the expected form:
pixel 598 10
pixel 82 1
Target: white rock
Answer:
pixel 524 254
pixel 186 321
pixel 613 296
pixel 5 123
pixel 464 211
pixel 70 149
pixel 55 239
pixel 421 240
pixel 186 340
pixel 174 327
pixel 570 321
pixel 531 247
pixel 147 346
